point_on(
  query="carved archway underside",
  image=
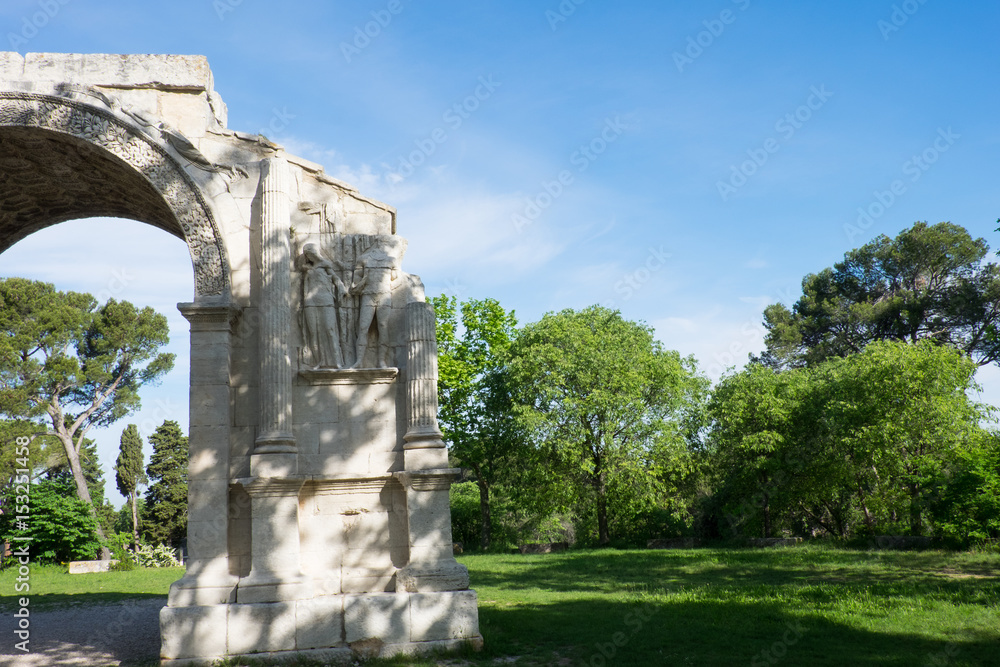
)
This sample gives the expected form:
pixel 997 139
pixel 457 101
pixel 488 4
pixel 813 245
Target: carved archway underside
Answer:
pixel 61 160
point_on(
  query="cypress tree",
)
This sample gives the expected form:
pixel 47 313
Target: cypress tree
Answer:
pixel 165 520
pixel 129 473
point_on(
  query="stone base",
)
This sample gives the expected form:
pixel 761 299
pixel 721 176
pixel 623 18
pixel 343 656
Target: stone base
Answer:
pixel 335 628
pixel 440 576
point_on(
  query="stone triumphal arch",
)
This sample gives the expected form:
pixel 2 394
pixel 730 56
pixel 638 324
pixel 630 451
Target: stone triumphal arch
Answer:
pixel 318 482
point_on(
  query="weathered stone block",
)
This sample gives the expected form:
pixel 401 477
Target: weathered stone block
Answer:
pixel 90 566
pixel 192 632
pixel 210 364
pixel 319 623
pixel 383 616
pixel 11 66
pixel 209 405
pixel 254 628
pixel 209 452
pixel 107 69
pixel 438 616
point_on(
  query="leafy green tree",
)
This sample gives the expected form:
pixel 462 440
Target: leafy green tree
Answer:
pixel 123 518
pixel 754 413
pixel 129 473
pixel 39 448
pixel 75 365
pixel 899 411
pixel 604 399
pixel 165 518
pixel 58 468
pixel 965 498
pixel 61 526
pixel 474 402
pixel 860 438
pixel 930 282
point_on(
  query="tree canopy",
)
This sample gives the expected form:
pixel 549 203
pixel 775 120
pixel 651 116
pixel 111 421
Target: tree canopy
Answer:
pixel 854 441
pixel 611 405
pixel 73 365
pixel 474 402
pixel 930 282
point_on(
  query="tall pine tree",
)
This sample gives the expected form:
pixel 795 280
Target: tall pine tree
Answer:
pixel 129 474
pixel 165 520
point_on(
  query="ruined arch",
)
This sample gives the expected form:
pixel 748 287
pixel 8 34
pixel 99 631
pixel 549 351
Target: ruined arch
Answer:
pixel 318 514
pixel 62 159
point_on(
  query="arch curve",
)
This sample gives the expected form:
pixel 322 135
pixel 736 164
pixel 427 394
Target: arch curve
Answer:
pixel 62 159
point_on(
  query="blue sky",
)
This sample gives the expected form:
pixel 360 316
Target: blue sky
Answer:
pixel 687 163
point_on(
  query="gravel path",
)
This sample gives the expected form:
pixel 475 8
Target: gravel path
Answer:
pixel 95 636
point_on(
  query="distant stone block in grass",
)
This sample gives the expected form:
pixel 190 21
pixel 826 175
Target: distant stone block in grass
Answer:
pixel 775 541
pixel 674 543
pixel 90 566
pixel 543 548
pixel 902 542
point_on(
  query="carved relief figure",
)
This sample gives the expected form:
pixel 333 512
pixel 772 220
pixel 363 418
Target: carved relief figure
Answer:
pixel 321 291
pixel 373 276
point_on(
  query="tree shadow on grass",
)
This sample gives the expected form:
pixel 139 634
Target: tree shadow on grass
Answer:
pixel 60 601
pixel 927 574
pixel 601 633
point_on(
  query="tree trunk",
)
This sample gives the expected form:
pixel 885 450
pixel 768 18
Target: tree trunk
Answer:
pixel 600 486
pixel 486 530
pixel 135 520
pixel 767 515
pixel 82 491
pixel 916 522
pixel 869 522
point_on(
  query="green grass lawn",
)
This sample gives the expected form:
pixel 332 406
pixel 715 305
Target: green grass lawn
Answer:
pixel 802 606
pixel 807 605
pixel 52 587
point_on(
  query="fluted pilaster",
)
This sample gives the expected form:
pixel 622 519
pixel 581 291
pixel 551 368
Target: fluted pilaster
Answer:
pixel 275 430
pixel 421 378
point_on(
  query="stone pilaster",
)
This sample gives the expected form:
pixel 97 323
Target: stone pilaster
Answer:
pixel 432 566
pixel 274 450
pixel 207 580
pixel 276 572
pixel 424 448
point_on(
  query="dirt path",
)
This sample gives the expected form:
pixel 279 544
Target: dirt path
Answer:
pixel 94 636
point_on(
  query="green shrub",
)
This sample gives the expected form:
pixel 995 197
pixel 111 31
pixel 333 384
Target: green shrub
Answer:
pixel 59 524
